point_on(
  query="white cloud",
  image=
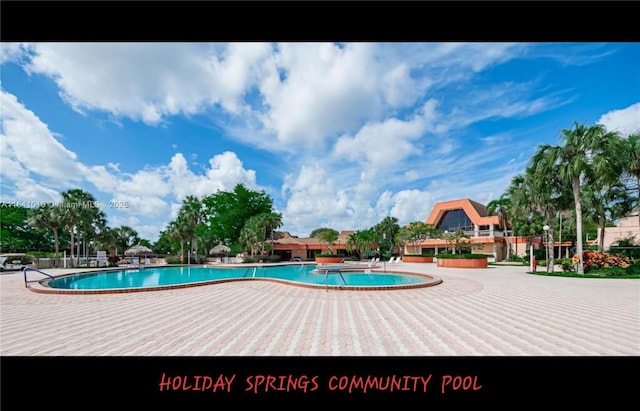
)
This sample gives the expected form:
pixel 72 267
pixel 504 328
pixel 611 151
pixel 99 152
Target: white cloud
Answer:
pixel 304 93
pixel 388 143
pixel 411 205
pixel 13 52
pixel 625 121
pixel 37 167
pixel 147 81
pixel 224 172
pixel 30 148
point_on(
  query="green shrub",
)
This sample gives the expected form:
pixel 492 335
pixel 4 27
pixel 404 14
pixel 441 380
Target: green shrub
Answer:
pixel 172 259
pixel 567 264
pixel 629 251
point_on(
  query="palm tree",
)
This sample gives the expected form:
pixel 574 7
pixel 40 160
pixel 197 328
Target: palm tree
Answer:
pixel 106 240
pixel 502 207
pixel 252 234
pixel 547 192
pixel 361 241
pixel 79 214
pixel 179 230
pixel 193 213
pixel 586 151
pixel 607 204
pixel 48 216
pixel 387 230
pixel 632 163
pixel 271 221
pixel 124 237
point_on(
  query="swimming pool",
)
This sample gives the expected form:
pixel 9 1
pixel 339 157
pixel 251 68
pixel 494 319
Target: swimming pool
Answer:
pixel 156 278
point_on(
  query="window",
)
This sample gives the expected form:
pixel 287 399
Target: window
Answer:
pixel 455 220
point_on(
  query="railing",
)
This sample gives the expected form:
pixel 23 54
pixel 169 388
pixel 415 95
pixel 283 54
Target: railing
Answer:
pixel 248 270
pixel 298 260
pixel 24 272
pixel 326 277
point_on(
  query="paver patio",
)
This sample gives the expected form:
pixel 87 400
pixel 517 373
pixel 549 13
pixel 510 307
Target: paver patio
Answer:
pixel 498 311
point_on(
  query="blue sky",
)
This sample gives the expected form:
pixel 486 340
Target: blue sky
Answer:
pixel 339 135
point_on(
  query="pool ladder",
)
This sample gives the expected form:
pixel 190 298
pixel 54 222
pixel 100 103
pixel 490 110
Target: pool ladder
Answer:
pixel 24 272
pixel 326 277
pixel 251 270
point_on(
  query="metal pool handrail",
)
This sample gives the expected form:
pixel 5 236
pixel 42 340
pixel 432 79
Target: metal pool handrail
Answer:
pixel 326 276
pixel 24 272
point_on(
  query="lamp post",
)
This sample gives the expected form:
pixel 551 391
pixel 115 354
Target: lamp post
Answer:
pixel 189 254
pixel 546 245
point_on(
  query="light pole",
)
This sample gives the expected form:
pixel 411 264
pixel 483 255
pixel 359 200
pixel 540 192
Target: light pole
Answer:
pixel 189 255
pixel 546 245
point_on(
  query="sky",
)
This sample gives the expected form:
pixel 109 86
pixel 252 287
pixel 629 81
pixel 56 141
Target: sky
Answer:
pixel 339 135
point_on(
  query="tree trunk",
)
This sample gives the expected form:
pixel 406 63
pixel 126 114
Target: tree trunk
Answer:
pixel 603 223
pixel 578 201
pixel 506 235
pixel 56 241
pixel 550 247
pixel 71 257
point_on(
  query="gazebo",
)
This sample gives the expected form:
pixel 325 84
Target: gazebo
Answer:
pixel 220 249
pixel 138 250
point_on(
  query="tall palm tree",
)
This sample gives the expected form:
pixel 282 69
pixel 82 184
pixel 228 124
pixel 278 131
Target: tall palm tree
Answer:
pixel 79 214
pixel 586 151
pixel 179 230
pixel 502 207
pixel 606 204
pixel 252 234
pixel 193 213
pixel 520 205
pixel 544 192
pixel 271 221
pixel 632 163
pixel 48 216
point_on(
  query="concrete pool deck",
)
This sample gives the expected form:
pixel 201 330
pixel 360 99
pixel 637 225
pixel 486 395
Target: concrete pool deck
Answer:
pixel 497 311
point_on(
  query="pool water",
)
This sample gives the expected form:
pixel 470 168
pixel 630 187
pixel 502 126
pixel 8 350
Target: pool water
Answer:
pixel 172 276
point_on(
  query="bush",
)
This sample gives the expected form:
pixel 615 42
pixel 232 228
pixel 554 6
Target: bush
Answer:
pixel 594 260
pixel 172 259
pixel 517 259
pixel 567 264
pixel 629 251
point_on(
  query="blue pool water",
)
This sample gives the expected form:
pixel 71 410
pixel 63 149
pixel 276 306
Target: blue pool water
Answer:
pixel 173 276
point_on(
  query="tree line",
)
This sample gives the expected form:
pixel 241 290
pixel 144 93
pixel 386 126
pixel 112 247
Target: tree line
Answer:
pixel 592 176
pixel 241 218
